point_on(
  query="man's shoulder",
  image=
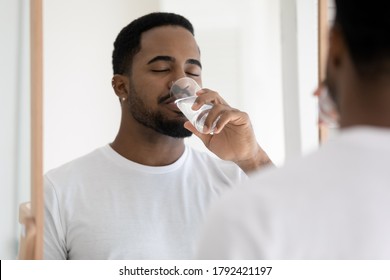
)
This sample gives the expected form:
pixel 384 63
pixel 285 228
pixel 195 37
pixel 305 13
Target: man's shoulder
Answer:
pixel 78 165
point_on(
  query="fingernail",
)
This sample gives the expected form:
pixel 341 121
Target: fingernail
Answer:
pixel 195 105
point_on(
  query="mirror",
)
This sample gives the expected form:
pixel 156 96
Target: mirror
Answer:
pixel 250 54
pixel 261 56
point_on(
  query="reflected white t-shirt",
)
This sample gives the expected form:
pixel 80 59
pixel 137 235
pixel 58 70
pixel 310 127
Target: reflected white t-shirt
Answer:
pixel 103 206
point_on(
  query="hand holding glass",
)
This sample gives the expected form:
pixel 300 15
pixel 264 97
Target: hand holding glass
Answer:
pixel 184 91
pixel 328 113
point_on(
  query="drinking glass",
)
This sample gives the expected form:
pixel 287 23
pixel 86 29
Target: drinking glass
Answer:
pixel 184 91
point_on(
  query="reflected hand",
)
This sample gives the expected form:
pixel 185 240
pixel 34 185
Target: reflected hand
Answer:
pixel 233 138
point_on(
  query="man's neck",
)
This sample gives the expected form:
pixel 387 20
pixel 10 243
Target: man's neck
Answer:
pixel 368 107
pixel 148 147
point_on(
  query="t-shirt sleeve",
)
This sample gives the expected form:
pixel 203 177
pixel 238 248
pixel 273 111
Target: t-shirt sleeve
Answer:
pixel 54 235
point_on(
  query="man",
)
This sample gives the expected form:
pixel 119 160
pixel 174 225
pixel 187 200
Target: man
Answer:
pixel 333 204
pixel 144 195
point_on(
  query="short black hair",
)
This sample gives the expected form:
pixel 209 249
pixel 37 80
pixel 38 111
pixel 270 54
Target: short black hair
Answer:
pixel 128 41
pixel 365 26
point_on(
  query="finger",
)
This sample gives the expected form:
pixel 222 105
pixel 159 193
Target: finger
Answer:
pixel 234 117
pixel 206 96
pixel 213 116
pixel 319 89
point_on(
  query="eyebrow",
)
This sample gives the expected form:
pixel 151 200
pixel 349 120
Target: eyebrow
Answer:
pixel 161 58
pixel 171 59
pixel 194 61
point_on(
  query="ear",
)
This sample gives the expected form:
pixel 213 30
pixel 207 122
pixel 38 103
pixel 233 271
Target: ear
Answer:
pixel 120 84
pixel 337 48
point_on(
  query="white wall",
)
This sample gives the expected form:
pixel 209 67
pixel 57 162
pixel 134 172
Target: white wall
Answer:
pixel 14 121
pixel 81 109
pixel 299 76
pixel 8 55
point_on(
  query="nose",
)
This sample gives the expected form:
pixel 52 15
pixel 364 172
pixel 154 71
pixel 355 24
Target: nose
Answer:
pixel 174 79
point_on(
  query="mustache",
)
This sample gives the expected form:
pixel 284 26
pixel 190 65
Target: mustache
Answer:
pixel 166 99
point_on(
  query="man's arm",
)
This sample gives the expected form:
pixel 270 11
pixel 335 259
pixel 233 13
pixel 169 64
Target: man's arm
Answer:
pixel 258 161
pixel 54 238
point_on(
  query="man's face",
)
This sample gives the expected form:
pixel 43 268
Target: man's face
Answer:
pixel 331 84
pixel 335 69
pixel 167 54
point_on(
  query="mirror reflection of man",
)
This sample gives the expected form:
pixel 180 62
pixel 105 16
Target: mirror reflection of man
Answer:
pixel 144 195
pixel 333 204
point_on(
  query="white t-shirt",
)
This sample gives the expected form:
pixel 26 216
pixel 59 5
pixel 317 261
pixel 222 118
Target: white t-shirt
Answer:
pixel 333 204
pixel 103 206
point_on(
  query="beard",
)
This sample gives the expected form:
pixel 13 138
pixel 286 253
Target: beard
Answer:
pixel 154 119
pixel 331 86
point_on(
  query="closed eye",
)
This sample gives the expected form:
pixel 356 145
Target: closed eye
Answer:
pixel 160 70
pixel 193 74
